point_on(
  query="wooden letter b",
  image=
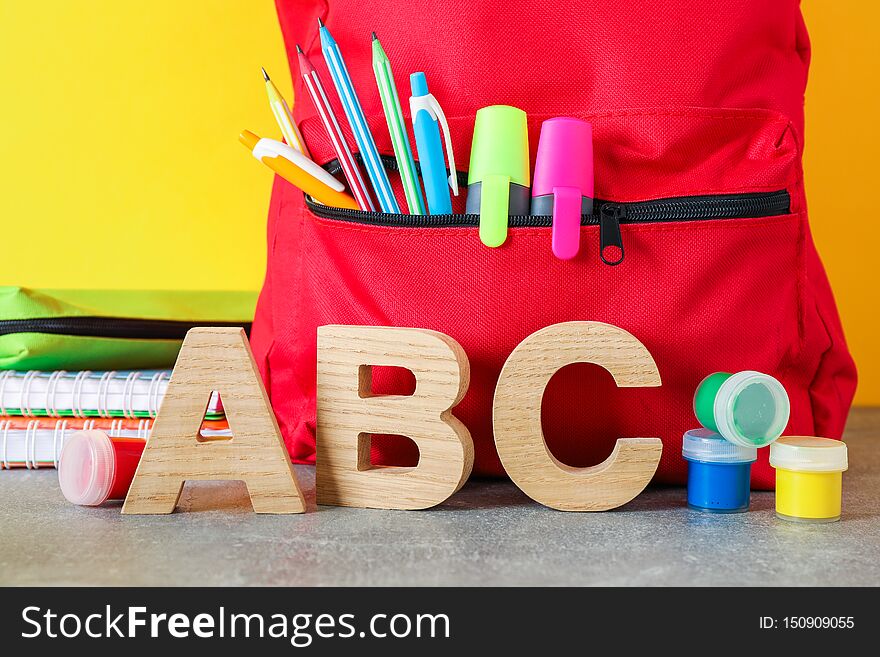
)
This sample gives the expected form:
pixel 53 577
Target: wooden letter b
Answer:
pixel 348 412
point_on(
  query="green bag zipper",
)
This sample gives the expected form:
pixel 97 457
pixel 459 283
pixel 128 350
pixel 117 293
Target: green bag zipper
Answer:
pixel 109 327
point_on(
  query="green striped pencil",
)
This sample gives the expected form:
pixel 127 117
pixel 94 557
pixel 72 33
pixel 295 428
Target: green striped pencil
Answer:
pixel 397 129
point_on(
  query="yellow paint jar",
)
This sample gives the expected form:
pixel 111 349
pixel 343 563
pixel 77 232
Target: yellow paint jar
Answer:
pixel 809 475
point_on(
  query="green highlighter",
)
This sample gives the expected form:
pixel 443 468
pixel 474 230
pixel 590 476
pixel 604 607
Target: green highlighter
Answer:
pixel 499 174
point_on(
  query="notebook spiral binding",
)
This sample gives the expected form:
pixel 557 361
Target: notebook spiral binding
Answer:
pixel 58 437
pixel 53 386
pixel 128 392
pixel 25 404
pixel 154 395
pixel 61 432
pixel 3 379
pixel 77 394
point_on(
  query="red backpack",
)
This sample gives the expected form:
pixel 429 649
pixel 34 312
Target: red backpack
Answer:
pixel 693 100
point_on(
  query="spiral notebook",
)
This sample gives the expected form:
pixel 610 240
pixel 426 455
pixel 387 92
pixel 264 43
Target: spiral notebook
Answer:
pixel 126 394
pixel 37 443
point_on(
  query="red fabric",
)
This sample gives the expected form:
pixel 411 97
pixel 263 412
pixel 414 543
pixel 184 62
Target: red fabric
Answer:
pixel 689 97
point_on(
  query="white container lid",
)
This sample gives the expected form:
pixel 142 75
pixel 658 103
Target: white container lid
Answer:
pixel 710 447
pixel 809 454
pixel 87 467
pixel 751 409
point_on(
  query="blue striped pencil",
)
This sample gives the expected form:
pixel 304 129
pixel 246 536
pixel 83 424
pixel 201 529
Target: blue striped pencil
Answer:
pixel 358 122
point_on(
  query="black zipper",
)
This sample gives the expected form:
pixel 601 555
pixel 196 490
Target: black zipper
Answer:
pixel 609 215
pixel 109 327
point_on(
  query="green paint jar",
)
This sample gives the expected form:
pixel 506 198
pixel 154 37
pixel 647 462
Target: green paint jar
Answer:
pixel 748 408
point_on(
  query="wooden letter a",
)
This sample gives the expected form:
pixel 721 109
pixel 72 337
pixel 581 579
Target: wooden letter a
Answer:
pixel 215 359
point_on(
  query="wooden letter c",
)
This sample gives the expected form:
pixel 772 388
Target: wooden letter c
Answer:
pixel 519 437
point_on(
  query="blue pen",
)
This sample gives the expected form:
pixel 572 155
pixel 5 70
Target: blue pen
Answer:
pixel 427 118
pixel 357 121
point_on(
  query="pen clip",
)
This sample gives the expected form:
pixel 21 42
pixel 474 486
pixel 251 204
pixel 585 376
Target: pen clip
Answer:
pixel 430 105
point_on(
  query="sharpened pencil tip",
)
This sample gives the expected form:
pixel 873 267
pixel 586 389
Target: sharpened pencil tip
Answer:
pixel 298 49
pixel 375 38
pixel 265 75
pixel 320 23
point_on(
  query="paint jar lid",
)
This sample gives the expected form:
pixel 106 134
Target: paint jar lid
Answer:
pixel 710 447
pixel 87 468
pixel 751 409
pixel 809 454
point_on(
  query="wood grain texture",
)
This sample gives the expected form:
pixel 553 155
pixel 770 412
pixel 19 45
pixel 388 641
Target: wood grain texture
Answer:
pixel 215 359
pixel 348 413
pixel 519 436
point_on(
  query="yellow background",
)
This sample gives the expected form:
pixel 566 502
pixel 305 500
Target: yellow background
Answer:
pixel 131 110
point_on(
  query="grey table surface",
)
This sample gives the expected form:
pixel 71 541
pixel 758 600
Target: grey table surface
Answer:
pixel 489 533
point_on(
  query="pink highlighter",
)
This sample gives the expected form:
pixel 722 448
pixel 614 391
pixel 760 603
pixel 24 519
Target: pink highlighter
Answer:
pixel 563 181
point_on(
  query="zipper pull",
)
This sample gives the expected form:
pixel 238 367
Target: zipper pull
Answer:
pixel 610 242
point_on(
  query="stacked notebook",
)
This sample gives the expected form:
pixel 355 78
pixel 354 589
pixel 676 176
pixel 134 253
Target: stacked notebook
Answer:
pixel 40 410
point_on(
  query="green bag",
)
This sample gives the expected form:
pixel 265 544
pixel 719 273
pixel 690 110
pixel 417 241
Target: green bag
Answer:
pixel 108 329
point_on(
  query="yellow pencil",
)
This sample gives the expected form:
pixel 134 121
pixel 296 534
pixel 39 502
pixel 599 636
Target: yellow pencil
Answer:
pixel 283 117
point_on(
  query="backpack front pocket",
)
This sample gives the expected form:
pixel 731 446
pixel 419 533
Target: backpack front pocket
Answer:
pixel 709 277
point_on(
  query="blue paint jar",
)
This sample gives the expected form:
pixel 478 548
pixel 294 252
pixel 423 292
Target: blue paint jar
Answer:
pixel 719 472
